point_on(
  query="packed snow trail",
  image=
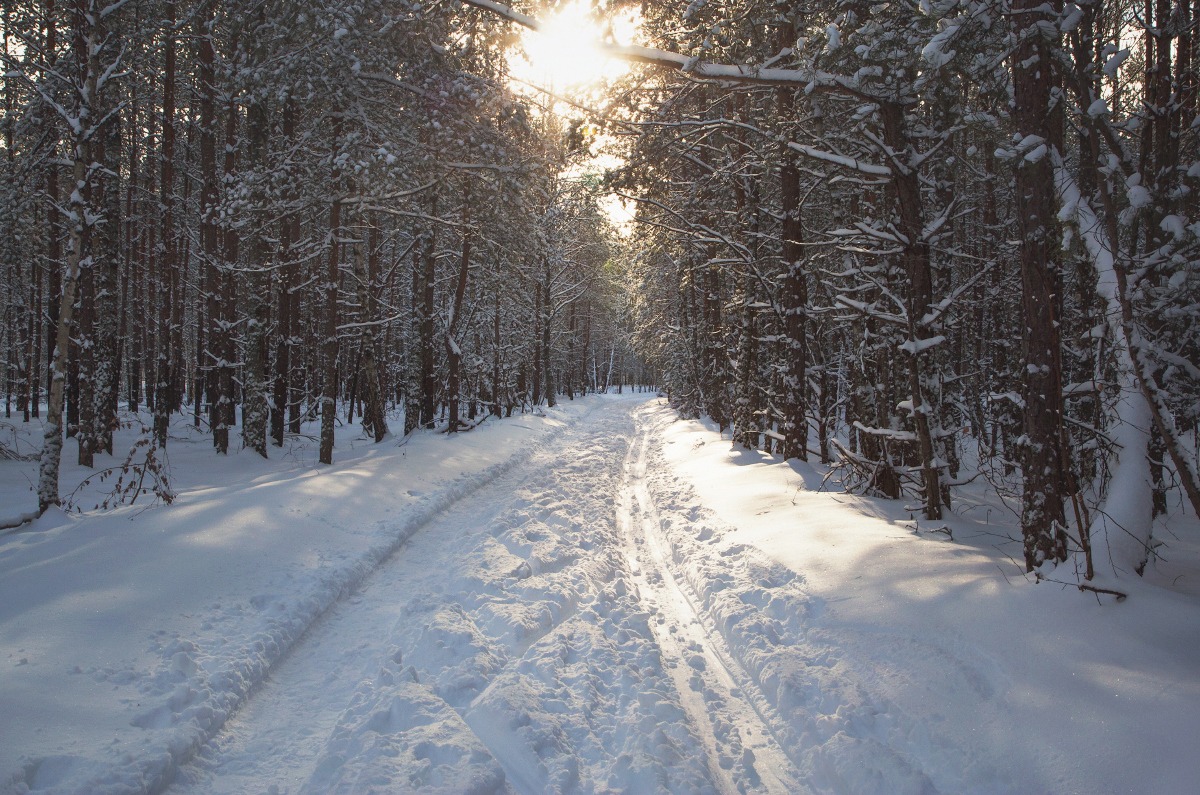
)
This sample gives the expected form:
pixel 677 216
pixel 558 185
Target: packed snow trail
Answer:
pixel 523 640
pixel 600 598
pixel 716 695
pixel 580 624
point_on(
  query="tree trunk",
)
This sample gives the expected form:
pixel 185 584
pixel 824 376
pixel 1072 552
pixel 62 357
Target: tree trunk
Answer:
pixel 547 370
pixel 428 375
pixel 225 402
pixel 85 333
pixel 793 423
pixel 536 397
pixel 413 379
pixel 496 356
pixel 286 273
pixel 209 352
pixel 54 258
pixel 255 412
pixel 88 36
pixel 453 349
pixel 920 298
pixel 166 240
pixel 374 420
pixel 105 273
pixel 330 344
pixel 1035 81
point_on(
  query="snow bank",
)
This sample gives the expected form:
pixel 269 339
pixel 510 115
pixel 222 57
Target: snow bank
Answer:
pixel 898 660
pixel 128 638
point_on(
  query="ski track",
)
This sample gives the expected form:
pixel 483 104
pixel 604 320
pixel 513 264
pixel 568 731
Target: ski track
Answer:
pixel 819 703
pixel 574 625
pixel 719 697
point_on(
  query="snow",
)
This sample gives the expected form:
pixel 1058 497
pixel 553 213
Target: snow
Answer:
pixel 833 38
pixel 1036 154
pixel 920 346
pixel 935 52
pixel 1114 62
pixel 595 598
pixel 1120 529
pixel 914 663
pixel 1139 196
pixel 1176 225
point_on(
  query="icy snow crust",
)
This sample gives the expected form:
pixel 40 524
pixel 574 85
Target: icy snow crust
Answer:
pixel 602 599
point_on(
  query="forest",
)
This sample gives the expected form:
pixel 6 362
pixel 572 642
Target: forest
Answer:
pixel 923 243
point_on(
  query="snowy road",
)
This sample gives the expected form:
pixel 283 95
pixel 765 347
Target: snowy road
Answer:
pixel 532 637
pixel 597 598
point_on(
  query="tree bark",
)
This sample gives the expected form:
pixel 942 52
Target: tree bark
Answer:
pixel 106 275
pixel 374 421
pixel 330 344
pixel 1035 80
pixel 255 412
pixel 209 352
pixel 281 385
pixel 920 297
pixel 453 349
pixel 793 422
pixel 166 241
pixel 225 402
pixel 428 375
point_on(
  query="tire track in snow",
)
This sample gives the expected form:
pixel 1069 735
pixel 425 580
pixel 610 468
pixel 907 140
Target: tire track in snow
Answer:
pixel 600 665
pixel 273 739
pixel 515 661
pixel 722 702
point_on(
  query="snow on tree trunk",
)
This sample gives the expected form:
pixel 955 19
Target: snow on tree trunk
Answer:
pixel 1034 83
pixel 1120 530
pixel 52 442
pixel 90 37
pixel 85 340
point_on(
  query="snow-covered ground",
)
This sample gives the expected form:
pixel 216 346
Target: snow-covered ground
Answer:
pixel 600 598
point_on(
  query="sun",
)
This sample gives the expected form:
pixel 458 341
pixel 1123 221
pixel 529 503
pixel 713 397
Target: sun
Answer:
pixel 565 54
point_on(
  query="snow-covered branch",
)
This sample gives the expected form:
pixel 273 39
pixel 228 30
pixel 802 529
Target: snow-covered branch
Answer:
pixel 808 80
pixel 846 162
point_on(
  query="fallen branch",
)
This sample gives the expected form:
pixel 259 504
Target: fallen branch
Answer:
pixel 1121 597
pixel 1082 586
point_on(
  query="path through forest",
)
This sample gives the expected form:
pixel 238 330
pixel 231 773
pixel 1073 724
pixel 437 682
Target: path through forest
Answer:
pixel 532 637
pixel 597 597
